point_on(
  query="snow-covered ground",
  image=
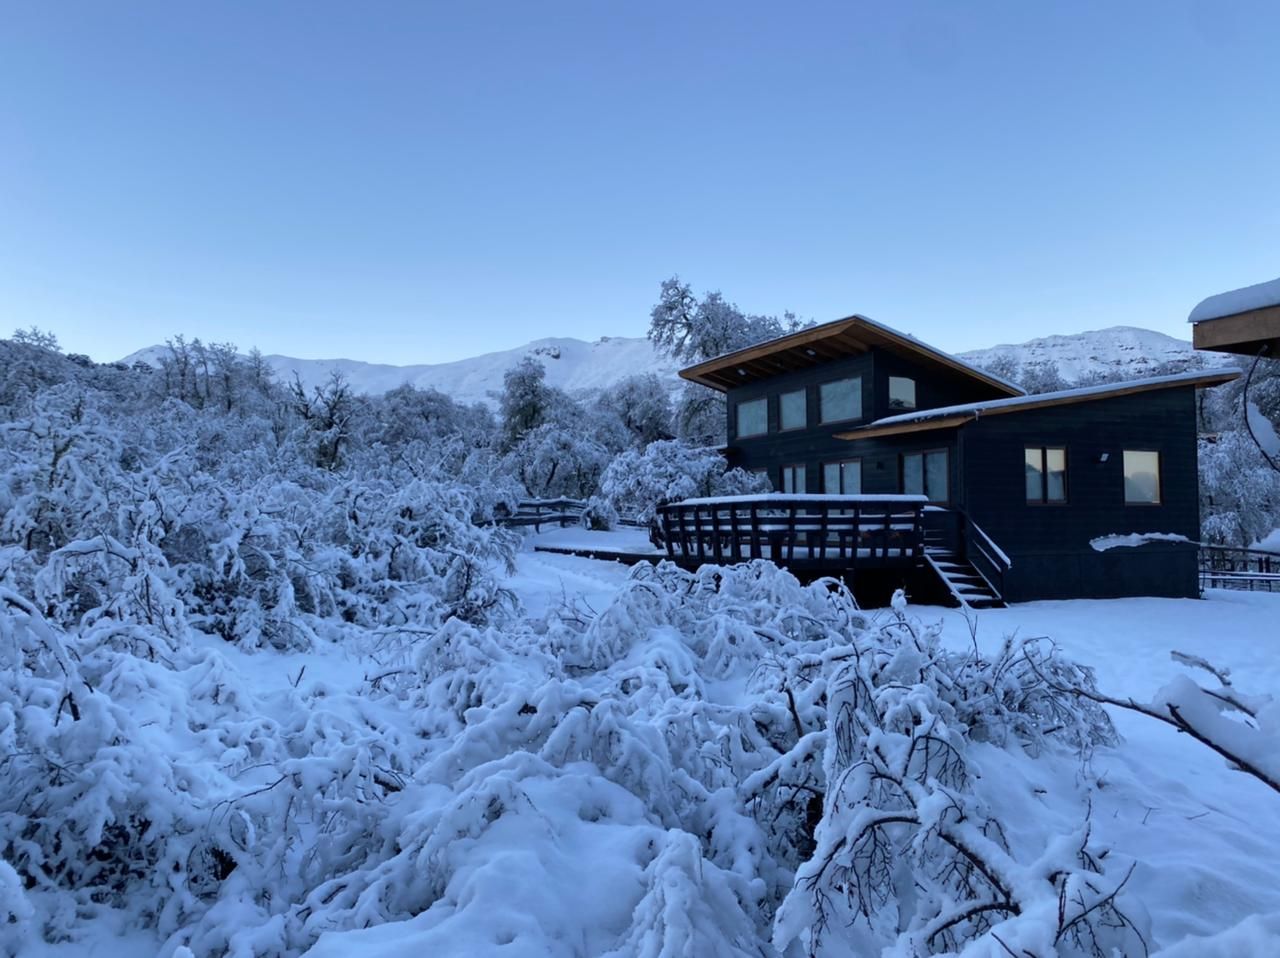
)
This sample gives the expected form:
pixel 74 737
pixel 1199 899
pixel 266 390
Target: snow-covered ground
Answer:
pixel 560 860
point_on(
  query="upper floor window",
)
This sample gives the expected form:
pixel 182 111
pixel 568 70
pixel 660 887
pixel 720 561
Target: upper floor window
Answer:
pixel 926 474
pixel 902 393
pixel 1046 474
pixel 753 418
pixel 841 399
pixel 793 478
pixel 792 410
pixel 1141 477
pixel 842 478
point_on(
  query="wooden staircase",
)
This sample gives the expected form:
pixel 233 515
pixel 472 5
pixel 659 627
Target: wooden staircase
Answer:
pixel 967 585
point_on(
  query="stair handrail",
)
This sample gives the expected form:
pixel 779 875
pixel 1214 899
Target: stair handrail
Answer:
pixel 986 547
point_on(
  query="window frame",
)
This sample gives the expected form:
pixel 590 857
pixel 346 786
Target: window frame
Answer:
pixel 924 474
pixel 782 476
pixel 1044 499
pixel 804 393
pixel 737 418
pixel 1159 500
pixel 842 463
pixel 860 413
pixel 915 397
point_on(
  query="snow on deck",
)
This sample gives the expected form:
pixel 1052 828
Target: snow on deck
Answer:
pixel 1258 296
pixel 801 498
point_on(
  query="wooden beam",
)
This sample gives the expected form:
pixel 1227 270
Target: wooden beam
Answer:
pixel 1244 333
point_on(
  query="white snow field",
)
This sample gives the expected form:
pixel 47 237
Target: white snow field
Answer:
pixel 637 768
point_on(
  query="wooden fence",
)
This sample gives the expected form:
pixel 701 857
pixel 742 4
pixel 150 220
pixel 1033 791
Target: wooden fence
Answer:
pixel 1254 570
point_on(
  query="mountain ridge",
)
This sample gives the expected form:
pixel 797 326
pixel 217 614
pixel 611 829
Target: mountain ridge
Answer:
pixel 582 367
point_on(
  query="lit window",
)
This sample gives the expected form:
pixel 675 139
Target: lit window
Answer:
pixel 753 418
pixel 1141 477
pixel 1046 474
pixel 925 474
pixel 840 400
pixel 793 478
pixel 902 393
pixel 842 478
pixel 792 413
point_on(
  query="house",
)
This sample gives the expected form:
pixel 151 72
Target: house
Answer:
pixel 1021 489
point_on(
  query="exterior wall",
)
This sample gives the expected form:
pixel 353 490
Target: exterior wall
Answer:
pixel 809 446
pixel 815 445
pixel 934 387
pixel 1049 544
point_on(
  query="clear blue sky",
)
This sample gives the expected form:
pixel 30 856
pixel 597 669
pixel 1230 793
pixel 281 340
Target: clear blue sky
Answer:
pixel 418 182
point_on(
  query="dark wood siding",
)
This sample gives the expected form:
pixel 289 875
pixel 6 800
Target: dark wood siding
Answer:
pixel 934 388
pixel 811 446
pixel 1049 544
pixel 814 445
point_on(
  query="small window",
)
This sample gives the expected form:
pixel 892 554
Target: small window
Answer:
pixel 842 478
pixel 925 474
pixel 840 400
pixel 1046 474
pixel 753 418
pixel 792 413
pixel 902 393
pixel 1141 477
pixel 793 478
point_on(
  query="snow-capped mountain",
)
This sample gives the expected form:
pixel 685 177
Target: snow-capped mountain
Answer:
pixel 577 366
pixel 571 365
pixel 1120 351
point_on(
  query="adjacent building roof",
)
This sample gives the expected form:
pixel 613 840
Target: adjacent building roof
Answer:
pixel 851 336
pixel 1240 321
pixel 946 417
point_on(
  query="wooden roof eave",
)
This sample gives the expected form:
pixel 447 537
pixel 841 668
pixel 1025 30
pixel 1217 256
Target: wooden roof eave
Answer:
pixel 1245 333
pixel 842 337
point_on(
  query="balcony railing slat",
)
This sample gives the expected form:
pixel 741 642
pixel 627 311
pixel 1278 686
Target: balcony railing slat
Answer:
pixel 833 532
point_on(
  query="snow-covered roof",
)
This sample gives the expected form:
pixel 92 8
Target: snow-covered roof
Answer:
pixel 956 415
pixel 1258 296
pixel 809 347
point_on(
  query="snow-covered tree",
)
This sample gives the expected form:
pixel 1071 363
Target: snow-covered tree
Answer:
pixel 639 481
pixel 643 405
pixel 1239 491
pixel 692 330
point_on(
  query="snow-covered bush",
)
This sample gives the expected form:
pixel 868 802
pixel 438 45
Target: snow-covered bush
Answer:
pixel 908 853
pixel 637 482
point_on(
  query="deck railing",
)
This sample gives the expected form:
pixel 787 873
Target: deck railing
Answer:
pixel 798 531
pixel 1223 567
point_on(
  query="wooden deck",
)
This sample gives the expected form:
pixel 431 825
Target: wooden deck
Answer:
pixel 802 532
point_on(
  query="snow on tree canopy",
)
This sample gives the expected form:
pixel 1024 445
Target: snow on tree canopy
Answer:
pixel 1258 296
